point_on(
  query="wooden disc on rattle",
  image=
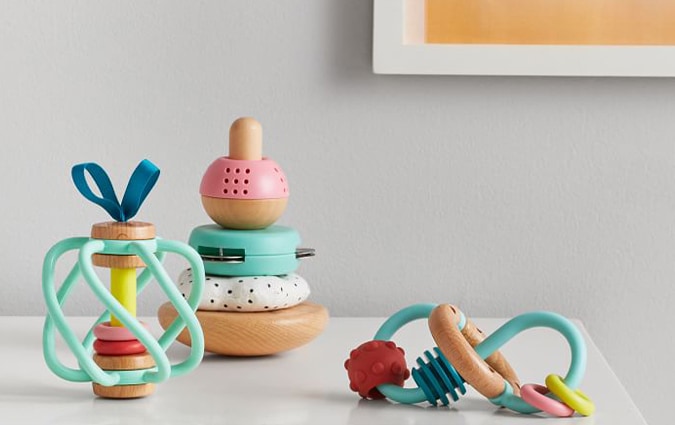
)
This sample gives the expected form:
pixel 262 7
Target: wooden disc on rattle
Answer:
pixel 254 333
pixel 123 391
pixel 486 376
pixel 121 231
pixel 129 362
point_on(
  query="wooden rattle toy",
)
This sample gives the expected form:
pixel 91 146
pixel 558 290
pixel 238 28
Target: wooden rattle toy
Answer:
pixel 254 303
pixel 463 355
pixel 119 355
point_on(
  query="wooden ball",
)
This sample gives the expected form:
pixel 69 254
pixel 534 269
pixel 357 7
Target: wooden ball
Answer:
pixel 254 333
pixel 244 214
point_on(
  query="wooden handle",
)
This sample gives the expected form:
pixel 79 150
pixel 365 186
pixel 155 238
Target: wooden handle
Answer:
pixel 246 139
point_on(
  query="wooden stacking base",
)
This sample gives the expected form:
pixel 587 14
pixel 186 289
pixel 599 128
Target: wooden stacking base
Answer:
pixel 130 362
pixel 254 333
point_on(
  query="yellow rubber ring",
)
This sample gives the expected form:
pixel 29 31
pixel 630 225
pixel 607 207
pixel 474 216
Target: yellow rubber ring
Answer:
pixel 576 399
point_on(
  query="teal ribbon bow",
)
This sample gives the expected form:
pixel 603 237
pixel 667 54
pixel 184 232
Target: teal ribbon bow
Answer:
pixel 140 184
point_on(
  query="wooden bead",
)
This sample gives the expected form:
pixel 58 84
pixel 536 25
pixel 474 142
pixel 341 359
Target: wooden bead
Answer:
pixel 127 231
pixel 129 362
pixel 254 333
pixel 456 347
pixel 244 214
pixel 123 391
pixel 113 230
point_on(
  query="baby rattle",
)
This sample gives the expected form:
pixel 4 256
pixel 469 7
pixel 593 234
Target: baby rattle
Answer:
pixel 119 355
pixel 254 303
pixel 463 355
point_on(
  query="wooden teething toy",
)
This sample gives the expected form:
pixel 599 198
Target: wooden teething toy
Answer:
pixel 465 355
pixel 128 361
pixel 253 304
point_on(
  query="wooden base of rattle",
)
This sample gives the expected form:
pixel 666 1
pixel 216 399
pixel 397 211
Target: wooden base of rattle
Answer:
pixel 129 362
pixel 255 333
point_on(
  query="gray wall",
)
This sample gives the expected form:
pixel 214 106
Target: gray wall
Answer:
pixel 499 194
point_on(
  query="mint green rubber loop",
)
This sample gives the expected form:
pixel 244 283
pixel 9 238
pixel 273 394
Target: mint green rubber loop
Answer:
pixel 97 374
pixel 527 321
pixel 185 308
pixel 142 281
pixel 402 317
pixel 145 249
pixel 55 317
pixel 54 301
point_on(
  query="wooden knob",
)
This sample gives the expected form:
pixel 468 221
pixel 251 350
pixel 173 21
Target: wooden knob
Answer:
pixel 246 139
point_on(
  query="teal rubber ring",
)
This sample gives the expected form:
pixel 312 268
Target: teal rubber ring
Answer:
pixel 387 330
pixel 526 321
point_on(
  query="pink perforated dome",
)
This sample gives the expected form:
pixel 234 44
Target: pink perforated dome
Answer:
pixel 244 179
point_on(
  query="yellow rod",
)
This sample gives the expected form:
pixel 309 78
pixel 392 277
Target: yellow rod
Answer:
pixel 123 288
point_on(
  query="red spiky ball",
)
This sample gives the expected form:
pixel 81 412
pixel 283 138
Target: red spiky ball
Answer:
pixel 373 363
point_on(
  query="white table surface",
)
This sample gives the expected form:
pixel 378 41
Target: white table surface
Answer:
pixel 305 386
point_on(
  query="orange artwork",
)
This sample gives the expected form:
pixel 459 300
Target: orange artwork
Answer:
pixel 551 22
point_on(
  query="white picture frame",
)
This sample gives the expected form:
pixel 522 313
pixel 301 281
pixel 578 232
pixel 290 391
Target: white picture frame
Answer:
pixel 399 48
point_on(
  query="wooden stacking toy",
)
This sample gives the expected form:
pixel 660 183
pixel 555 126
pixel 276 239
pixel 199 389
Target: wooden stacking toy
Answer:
pixel 253 303
pixel 464 355
pixel 128 361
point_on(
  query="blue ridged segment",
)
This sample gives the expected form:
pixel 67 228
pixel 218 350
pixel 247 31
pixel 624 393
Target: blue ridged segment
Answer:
pixel 437 378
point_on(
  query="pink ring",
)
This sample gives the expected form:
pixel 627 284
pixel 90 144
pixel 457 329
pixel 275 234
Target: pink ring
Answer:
pixel 534 394
pixel 105 332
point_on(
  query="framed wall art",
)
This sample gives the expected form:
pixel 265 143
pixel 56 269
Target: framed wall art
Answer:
pixel 525 37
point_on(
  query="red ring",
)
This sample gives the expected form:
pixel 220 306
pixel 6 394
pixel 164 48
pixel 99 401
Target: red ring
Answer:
pixel 104 331
pixel 118 348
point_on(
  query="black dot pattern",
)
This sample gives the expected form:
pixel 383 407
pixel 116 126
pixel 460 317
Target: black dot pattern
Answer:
pixel 247 293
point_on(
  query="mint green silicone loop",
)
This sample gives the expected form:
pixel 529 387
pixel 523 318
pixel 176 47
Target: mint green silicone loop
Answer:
pixel 387 330
pixel 185 308
pixel 55 317
pixel 146 250
pixel 142 281
pixel 532 320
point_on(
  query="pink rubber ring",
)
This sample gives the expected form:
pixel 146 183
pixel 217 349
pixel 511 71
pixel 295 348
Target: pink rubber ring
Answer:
pixel 105 332
pixel 118 348
pixel 535 395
